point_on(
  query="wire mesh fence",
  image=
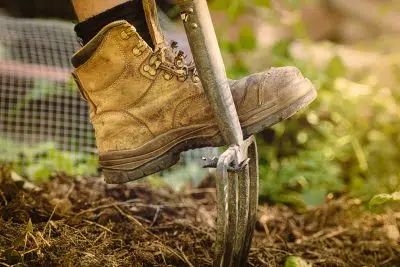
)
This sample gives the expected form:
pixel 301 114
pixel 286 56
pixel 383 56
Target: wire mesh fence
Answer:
pixel 39 101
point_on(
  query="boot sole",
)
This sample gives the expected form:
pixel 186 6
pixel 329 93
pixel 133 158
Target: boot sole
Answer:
pixel 117 170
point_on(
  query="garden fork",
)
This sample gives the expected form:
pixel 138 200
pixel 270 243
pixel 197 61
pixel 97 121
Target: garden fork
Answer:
pixel 237 167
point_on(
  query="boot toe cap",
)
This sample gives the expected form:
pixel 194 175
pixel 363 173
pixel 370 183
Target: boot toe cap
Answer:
pixel 276 86
pixel 283 85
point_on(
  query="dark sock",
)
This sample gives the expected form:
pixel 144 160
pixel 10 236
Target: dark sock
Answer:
pixel 131 11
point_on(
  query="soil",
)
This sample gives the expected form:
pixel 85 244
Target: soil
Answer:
pixel 70 221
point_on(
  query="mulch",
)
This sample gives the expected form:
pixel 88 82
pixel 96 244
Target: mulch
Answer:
pixel 81 221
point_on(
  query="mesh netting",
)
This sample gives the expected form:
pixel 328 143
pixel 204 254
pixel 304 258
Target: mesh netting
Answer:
pixel 39 101
pixel 38 98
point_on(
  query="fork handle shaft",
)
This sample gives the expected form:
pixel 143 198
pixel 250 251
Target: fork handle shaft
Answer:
pixel 209 63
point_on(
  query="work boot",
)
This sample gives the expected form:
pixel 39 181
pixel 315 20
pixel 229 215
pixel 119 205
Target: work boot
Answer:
pixel 147 106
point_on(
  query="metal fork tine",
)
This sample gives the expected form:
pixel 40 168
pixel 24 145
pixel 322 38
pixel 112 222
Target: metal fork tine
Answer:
pixel 253 199
pixel 243 211
pixel 237 196
pixel 233 216
pixel 227 211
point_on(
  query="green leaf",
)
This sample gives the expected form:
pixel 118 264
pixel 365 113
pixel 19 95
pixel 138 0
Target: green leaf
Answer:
pixel 314 196
pixel 281 49
pixel 264 3
pixel 381 199
pixel 293 261
pixel 247 39
pixel 39 171
pixel 29 227
pixel 336 68
pixel 231 7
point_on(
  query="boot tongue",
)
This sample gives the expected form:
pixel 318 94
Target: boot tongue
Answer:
pixel 150 11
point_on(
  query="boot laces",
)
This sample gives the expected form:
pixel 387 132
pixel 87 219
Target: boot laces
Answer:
pixel 174 61
pixel 170 59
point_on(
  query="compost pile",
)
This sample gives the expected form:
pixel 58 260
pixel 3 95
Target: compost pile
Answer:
pixel 73 221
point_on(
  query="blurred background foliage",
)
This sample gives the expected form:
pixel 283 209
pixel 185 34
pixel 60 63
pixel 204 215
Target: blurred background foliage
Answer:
pixel 44 160
pixel 347 141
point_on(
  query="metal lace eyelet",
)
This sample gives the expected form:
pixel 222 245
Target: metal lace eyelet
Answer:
pixel 152 60
pixel 136 51
pixel 124 35
pixel 181 78
pixel 146 68
pixel 152 72
pixel 157 64
pixel 167 76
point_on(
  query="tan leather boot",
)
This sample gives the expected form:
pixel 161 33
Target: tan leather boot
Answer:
pixel 148 106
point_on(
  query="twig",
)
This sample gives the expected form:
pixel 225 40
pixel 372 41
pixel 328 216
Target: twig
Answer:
pixel 320 235
pixel 99 225
pixel 200 191
pixel 129 217
pixel 276 249
pixel 44 240
pixel 98 238
pixel 335 233
pixel 29 251
pixel 34 239
pixel 155 217
pixel 120 241
pixel 70 191
pixel 196 229
pixel 129 203
pixel 182 258
pixel 186 258
pixel 162 255
pixel 262 261
pixel 48 221
pixel 78 231
pixel 4 198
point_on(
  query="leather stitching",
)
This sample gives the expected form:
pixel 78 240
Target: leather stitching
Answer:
pixel 183 103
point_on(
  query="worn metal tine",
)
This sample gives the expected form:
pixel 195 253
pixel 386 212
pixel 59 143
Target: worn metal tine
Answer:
pixel 253 199
pixel 227 211
pixel 233 215
pixel 243 211
pixel 237 195
pixel 248 202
